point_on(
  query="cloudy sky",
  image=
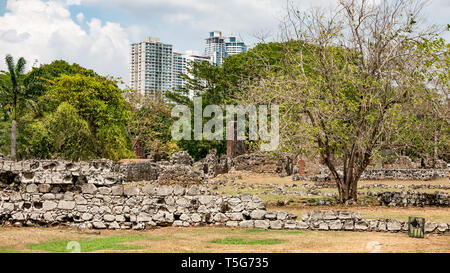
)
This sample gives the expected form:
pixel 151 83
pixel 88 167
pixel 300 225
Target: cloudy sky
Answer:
pixel 97 33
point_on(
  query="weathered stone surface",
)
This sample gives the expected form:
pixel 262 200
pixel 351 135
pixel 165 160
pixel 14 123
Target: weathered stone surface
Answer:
pixel 164 190
pixel 117 190
pixel 361 225
pixel 412 198
pixel 99 225
pixel 442 227
pixel 336 225
pixel 281 215
pixel 430 226
pixel 131 191
pixel 290 224
pixel 181 157
pixel 277 224
pixel 393 225
pixel 109 217
pixel 247 224
pixel 88 189
pixel 49 205
pixel 232 223
pixel 86 216
pixel 264 224
pixel 235 216
pixel 32 188
pixel 206 199
pixel 104 190
pixel 220 217
pixel 43 188
pixel 66 205
pixel 258 214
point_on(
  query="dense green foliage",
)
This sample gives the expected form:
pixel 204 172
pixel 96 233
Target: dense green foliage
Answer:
pixel 222 85
pixel 72 113
pixel 150 125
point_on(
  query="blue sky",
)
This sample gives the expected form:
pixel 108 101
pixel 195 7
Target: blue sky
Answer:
pixel 97 33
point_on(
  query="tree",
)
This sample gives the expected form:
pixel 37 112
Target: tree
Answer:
pixel 222 85
pixel 13 92
pixel 95 106
pixel 150 124
pixel 345 88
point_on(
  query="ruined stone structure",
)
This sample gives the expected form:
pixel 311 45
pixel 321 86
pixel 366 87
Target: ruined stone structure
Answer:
pixel 260 163
pixel 140 171
pixel 92 195
pixel 351 221
pixel 382 174
pixel 414 198
pixel 404 174
pixel 60 172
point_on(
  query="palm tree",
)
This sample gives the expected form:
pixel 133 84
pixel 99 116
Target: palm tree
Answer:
pixel 12 91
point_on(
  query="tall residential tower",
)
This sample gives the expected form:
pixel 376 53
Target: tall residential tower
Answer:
pixel 219 47
pixel 151 67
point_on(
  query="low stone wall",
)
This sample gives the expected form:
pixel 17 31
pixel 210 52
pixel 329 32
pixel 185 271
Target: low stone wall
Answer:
pixel 60 172
pixel 163 205
pixel 382 174
pixel 140 171
pixel 214 165
pixel 404 174
pixel 98 172
pixel 352 221
pixel 413 198
pixel 259 163
pixel 137 208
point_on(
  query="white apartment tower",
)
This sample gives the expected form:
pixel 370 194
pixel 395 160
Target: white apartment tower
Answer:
pixel 181 63
pixel 156 68
pixel 219 47
pixel 151 67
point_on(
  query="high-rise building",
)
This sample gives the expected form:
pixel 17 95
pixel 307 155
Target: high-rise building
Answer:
pixel 219 47
pixel 156 68
pixel 151 67
pixel 181 63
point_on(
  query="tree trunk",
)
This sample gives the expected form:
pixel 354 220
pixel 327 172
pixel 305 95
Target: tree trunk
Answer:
pixel 13 140
pixel 348 189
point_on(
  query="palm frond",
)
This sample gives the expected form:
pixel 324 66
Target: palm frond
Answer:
pixel 12 69
pixel 20 67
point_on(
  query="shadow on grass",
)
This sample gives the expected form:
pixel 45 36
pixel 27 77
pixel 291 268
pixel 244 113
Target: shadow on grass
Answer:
pixel 93 244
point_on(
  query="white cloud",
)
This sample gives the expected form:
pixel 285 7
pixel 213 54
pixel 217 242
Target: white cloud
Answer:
pixel 80 17
pixel 44 30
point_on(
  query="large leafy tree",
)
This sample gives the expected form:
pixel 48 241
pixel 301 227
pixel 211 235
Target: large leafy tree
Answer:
pixel 150 125
pixel 351 85
pixel 222 85
pixel 95 102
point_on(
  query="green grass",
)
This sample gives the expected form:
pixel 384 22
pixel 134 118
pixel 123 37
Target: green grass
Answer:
pixel 89 245
pixel 243 241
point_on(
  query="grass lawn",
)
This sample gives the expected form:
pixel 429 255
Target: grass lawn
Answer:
pixel 214 239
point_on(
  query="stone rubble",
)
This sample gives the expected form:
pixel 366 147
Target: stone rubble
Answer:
pixel 414 198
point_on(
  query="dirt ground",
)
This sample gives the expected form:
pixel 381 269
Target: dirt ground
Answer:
pixel 199 240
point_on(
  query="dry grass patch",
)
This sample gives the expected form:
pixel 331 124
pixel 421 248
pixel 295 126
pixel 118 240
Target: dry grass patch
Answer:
pixel 203 239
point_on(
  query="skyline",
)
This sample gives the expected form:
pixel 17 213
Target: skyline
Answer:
pixel 97 34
